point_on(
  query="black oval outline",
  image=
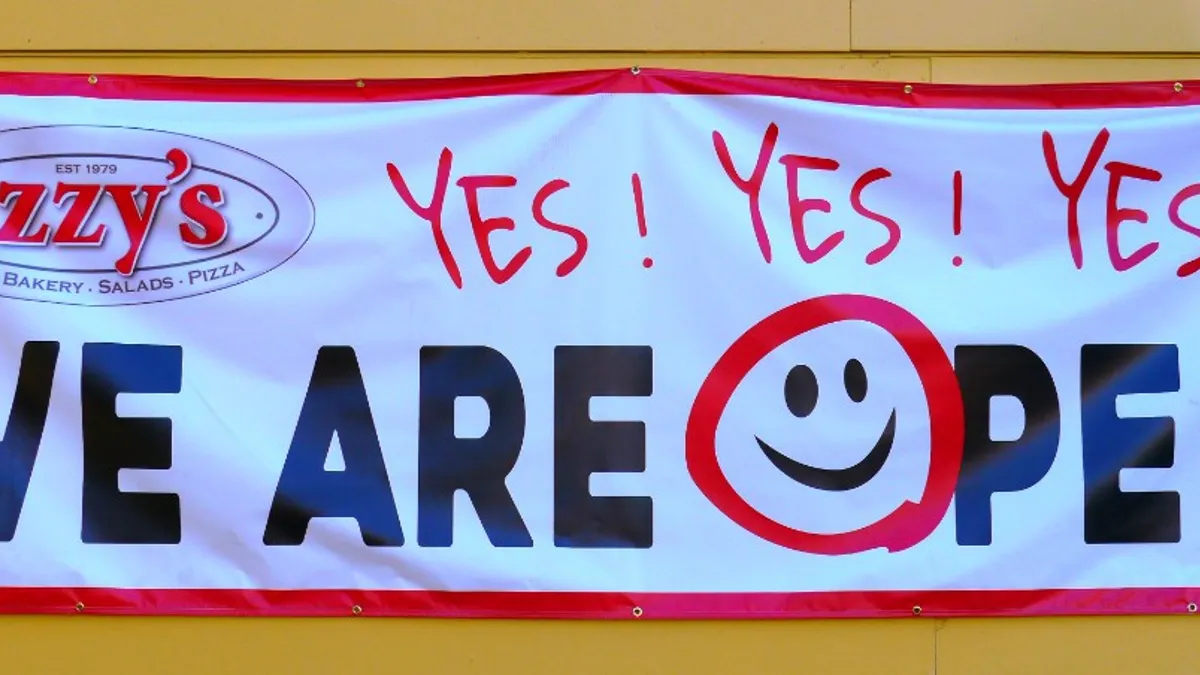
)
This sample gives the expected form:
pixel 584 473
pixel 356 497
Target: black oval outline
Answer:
pixel 312 226
pixel 60 270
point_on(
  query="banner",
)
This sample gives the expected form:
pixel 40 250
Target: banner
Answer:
pixel 619 344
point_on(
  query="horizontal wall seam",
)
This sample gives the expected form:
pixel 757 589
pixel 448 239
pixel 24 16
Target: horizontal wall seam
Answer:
pixel 589 53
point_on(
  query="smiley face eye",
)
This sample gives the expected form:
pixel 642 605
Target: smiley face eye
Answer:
pixel 800 391
pixel 855 377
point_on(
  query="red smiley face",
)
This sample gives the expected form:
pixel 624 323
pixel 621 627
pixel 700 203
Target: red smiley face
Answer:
pixel 908 524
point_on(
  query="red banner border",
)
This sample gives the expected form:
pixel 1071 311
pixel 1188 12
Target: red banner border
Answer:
pixel 598 605
pixel 612 81
pixel 590 605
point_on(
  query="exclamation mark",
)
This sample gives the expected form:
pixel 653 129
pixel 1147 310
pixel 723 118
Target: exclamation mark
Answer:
pixel 640 206
pixel 958 200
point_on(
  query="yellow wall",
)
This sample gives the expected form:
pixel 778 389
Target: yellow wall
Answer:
pixel 908 40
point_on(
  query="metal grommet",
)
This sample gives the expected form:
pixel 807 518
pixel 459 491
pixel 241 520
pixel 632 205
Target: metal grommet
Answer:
pixel 1191 607
pixel 79 607
pixel 360 84
pixel 908 88
pixel 916 610
pixel 356 610
pixel 1178 87
pixel 92 79
pixel 637 612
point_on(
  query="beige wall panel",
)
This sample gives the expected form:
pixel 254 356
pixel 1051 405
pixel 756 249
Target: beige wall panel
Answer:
pixel 1026 25
pixel 338 66
pixel 99 646
pixel 1095 646
pixel 441 25
pixel 1016 70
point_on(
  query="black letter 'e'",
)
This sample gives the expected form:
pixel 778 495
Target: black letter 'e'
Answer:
pixel 336 402
pixel 583 447
pixel 1112 443
pixel 112 443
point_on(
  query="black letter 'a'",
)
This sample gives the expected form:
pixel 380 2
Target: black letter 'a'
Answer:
pixel 336 402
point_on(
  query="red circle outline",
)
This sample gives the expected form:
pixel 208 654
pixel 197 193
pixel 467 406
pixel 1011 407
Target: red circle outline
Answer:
pixel 904 527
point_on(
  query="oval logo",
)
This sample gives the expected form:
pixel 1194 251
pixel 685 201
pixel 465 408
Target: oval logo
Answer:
pixel 107 216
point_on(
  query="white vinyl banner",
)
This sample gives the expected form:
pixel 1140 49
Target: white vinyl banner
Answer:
pixel 598 344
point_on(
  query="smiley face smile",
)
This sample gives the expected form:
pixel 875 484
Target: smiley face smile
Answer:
pixel 800 393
